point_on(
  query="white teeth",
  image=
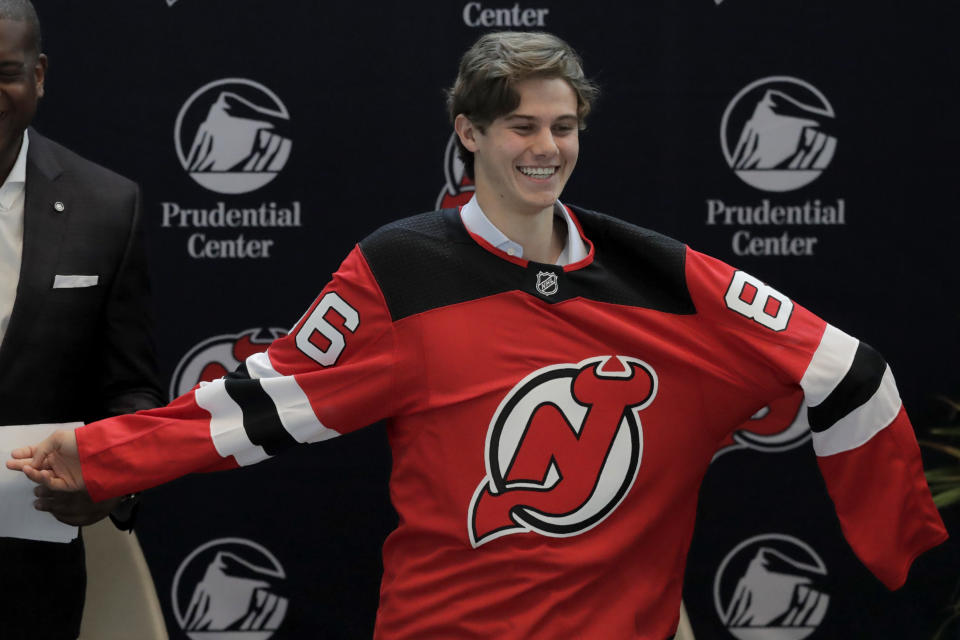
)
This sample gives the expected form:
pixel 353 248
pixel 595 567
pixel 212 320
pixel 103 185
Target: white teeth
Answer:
pixel 538 172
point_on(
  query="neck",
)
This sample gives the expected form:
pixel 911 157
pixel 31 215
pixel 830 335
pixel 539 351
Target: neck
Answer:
pixel 538 232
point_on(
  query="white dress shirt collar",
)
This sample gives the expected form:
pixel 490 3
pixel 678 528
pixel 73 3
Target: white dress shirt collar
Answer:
pixel 477 222
pixel 14 184
pixel 11 234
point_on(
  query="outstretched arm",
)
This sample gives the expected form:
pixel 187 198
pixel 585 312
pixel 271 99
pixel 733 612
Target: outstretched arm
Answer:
pixel 335 372
pixel 865 445
pixel 54 463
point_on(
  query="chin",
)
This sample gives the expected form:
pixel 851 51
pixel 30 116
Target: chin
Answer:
pixel 542 201
pixel 534 208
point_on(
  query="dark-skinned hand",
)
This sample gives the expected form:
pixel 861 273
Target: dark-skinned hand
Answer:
pixel 72 507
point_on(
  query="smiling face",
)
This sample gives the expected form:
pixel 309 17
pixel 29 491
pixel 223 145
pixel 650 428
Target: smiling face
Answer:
pixel 523 159
pixel 22 72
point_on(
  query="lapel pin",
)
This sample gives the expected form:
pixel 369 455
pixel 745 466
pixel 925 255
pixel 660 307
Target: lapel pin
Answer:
pixel 59 206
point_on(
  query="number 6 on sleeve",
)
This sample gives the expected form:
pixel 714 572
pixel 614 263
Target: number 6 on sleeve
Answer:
pixel 317 323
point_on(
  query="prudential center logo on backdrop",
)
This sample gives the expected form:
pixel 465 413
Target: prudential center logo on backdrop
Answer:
pixel 777 134
pixel 228 589
pixel 231 135
pixel 771 586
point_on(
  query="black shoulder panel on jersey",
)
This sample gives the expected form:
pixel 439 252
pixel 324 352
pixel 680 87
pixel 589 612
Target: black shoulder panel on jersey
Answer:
pixel 633 266
pixel 861 381
pixel 430 261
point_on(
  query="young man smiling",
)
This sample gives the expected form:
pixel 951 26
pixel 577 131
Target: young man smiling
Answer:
pixel 523 160
pixel 546 481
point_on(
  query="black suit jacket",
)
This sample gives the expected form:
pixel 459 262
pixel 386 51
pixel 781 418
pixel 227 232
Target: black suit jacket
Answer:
pixel 72 354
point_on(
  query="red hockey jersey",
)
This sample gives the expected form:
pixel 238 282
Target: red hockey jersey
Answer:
pixel 550 426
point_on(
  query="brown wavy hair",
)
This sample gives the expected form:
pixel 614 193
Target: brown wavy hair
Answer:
pixel 485 88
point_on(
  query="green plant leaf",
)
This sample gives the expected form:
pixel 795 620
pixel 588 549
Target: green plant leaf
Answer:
pixel 950 401
pixel 937 487
pixel 943 474
pixel 945 448
pixel 938 635
pixel 947 498
pixel 940 487
pixel 946 431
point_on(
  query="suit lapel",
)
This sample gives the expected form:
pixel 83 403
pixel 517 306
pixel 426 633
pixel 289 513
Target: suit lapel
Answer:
pixel 43 231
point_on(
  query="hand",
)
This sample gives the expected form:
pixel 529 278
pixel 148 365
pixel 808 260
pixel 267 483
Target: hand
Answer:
pixel 72 507
pixel 54 463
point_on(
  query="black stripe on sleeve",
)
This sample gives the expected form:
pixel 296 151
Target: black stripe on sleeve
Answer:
pixel 858 385
pixel 260 419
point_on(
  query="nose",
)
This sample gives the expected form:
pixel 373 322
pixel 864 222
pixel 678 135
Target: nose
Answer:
pixel 544 143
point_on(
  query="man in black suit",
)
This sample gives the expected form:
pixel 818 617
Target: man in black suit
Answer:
pixel 74 321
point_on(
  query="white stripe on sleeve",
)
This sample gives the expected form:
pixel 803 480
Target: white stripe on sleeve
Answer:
pixel 293 406
pixel 226 424
pixel 259 366
pixel 829 364
pixel 294 409
pixel 864 422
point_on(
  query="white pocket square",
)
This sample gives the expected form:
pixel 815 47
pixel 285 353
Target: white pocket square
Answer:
pixel 75 282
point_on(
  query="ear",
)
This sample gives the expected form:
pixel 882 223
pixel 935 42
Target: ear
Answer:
pixel 40 73
pixel 467 131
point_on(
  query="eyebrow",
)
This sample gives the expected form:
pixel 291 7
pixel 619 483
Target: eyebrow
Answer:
pixel 520 116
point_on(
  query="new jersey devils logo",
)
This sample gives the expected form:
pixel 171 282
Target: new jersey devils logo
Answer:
pixel 458 188
pixel 780 426
pixel 563 449
pixel 217 356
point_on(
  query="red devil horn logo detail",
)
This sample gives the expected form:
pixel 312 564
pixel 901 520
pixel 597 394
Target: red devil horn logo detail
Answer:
pixel 563 449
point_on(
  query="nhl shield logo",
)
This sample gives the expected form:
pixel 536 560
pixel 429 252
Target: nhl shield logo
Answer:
pixel 547 283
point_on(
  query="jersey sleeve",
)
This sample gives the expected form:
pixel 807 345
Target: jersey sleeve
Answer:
pixel 863 439
pixel 335 372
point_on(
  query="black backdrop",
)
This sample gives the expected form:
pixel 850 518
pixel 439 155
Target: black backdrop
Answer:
pixel 362 110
